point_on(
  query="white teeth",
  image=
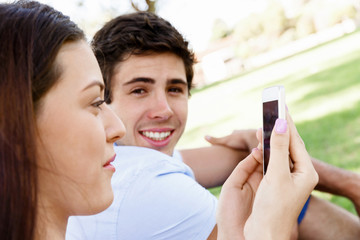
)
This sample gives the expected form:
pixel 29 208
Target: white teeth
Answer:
pixel 157 136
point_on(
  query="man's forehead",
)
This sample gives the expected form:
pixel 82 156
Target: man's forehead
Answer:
pixel 154 81
pixel 147 69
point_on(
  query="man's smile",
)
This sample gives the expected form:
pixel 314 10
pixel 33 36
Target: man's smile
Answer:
pixel 155 135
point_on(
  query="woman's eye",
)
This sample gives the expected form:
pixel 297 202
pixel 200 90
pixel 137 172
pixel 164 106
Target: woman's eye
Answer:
pixel 97 104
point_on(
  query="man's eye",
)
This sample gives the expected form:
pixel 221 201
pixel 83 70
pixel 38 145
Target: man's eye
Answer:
pixel 138 91
pixel 176 90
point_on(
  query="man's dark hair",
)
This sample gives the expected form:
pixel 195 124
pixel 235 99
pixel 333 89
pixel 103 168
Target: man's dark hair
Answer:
pixel 138 33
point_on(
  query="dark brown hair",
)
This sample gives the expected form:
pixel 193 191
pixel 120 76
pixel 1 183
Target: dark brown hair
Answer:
pixel 137 34
pixel 31 35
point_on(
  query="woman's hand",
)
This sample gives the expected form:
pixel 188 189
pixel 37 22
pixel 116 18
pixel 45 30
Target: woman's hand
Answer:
pixel 283 191
pixel 253 207
pixel 237 196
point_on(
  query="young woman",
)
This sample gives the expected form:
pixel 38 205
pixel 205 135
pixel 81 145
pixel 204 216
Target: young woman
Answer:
pixel 56 135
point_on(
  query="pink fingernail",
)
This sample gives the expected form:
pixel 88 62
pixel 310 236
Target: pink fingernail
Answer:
pixel 280 126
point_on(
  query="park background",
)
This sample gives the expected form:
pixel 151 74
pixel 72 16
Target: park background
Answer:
pixel 312 47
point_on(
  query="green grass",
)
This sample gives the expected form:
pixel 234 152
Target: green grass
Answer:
pixel 323 96
pixel 334 138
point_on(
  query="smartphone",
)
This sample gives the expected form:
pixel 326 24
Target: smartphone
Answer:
pixel 273 100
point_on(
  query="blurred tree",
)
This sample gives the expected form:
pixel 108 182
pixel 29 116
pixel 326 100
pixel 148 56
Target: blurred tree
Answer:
pixel 305 25
pixel 80 3
pixel 273 20
pixel 150 6
pixel 220 30
pixel 248 28
pixel 260 32
pixel 311 20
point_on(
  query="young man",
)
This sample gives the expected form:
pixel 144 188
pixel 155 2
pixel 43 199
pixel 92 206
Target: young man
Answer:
pixel 161 193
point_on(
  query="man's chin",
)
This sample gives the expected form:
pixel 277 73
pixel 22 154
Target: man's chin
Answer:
pixel 164 149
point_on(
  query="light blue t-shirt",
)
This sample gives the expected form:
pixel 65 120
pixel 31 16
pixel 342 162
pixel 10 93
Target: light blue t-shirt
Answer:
pixel 155 197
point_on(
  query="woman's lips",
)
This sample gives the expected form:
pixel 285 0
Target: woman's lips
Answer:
pixel 108 164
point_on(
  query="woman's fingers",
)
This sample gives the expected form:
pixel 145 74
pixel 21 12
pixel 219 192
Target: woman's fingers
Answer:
pixel 299 155
pixel 298 152
pixel 279 145
pixel 259 138
pixel 245 169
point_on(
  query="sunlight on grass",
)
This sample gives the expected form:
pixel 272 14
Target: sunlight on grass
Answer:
pixel 236 103
pixel 357 140
pixel 322 93
pixel 328 104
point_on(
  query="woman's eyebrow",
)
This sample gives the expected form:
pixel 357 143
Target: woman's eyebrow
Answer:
pixel 95 83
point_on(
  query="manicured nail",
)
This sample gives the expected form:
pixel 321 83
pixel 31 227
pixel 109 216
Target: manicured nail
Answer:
pixel 280 126
pixel 254 149
pixel 207 137
pixel 287 109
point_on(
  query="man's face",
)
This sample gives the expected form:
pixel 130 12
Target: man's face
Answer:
pixel 149 93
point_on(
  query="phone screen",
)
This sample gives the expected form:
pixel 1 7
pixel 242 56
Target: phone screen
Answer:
pixel 270 114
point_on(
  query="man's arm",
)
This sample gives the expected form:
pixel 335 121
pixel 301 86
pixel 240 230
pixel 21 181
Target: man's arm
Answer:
pixel 332 179
pixel 338 181
pixel 212 165
pixel 213 234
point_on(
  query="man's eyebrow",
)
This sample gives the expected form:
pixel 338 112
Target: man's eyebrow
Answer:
pixel 177 81
pixel 95 83
pixel 140 79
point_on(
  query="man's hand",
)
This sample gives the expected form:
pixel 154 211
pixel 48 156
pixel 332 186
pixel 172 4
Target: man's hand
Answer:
pixel 244 140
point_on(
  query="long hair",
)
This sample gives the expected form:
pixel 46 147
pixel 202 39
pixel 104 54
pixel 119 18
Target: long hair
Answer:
pixel 138 33
pixel 31 35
